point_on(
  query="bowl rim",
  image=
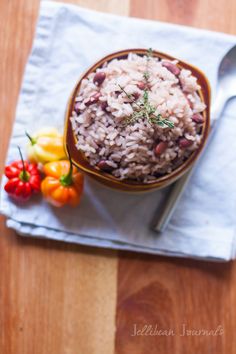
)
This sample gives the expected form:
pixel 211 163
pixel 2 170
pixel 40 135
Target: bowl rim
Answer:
pixel 204 93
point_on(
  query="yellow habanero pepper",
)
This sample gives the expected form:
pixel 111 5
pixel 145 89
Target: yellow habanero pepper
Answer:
pixel 63 183
pixel 45 146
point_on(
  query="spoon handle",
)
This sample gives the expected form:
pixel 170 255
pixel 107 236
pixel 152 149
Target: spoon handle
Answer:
pixel 163 216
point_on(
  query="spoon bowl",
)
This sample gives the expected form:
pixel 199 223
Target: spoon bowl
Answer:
pixel 227 73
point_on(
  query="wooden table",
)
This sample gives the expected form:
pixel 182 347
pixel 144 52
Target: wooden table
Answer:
pixel 65 299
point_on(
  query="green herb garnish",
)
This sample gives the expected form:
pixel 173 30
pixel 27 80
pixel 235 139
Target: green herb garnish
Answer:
pixel 146 75
pixel 143 108
pixel 149 53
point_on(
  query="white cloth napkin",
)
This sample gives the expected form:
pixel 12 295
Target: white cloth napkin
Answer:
pixel 69 39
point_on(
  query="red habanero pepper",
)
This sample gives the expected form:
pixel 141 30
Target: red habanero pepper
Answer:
pixel 23 179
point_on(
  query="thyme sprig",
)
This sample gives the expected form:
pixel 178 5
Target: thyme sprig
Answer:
pixel 149 53
pixel 146 74
pixel 143 108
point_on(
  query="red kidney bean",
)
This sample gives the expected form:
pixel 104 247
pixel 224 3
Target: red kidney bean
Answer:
pixel 117 92
pixel 141 85
pixel 93 99
pixel 104 166
pixel 76 108
pixel 99 78
pixel 158 175
pixel 135 95
pixel 197 118
pixel 160 148
pixel 104 106
pixel 185 143
pixel 171 67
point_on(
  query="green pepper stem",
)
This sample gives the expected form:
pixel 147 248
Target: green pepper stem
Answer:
pixel 23 175
pixel 66 180
pixel 33 141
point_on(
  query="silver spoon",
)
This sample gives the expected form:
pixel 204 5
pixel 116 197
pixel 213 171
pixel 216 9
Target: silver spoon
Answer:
pixel 226 89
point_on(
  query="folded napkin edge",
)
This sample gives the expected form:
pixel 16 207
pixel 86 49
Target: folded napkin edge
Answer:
pixel 119 246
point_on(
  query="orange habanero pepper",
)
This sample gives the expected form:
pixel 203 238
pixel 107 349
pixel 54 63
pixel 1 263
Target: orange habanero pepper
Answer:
pixel 63 183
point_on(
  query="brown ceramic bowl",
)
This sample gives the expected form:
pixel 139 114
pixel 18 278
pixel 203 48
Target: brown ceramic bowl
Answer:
pixel 83 164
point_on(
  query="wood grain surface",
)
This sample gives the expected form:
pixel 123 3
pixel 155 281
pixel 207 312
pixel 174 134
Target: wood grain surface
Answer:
pixel 65 299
